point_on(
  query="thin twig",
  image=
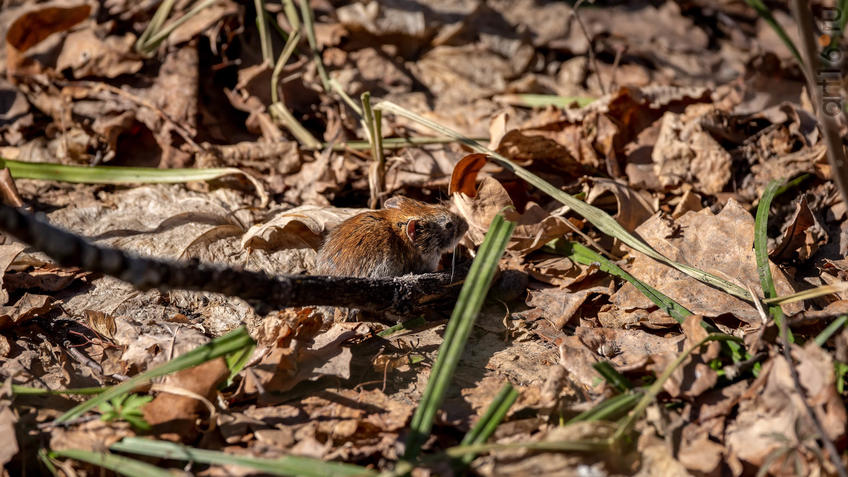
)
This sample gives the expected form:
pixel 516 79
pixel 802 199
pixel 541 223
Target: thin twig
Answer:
pixel 400 296
pixel 591 48
pixel 828 443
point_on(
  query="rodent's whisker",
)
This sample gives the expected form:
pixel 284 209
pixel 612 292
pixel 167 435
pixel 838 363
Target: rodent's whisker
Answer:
pixel 453 262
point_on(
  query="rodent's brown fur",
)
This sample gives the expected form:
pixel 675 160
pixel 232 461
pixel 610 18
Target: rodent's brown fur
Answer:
pixel 406 236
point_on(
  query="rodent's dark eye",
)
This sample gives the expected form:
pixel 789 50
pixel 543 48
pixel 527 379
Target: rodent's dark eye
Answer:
pixel 449 225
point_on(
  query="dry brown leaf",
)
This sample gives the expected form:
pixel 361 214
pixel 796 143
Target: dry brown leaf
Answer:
pixel 32 28
pixel 8 253
pixel 8 419
pixel 48 278
pixel 694 376
pixel 539 152
pixel 558 271
pixel 202 22
pixel 719 244
pixel 464 175
pixel 93 435
pixel 690 201
pixel 802 235
pixel 558 305
pixel 627 350
pixel 172 415
pixel 685 152
pixel 86 53
pixel 27 307
pixel 460 74
pixel 306 358
pixel 658 458
pixel 303 226
pixel 535 228
pixel 148 344
pixel 633 207
pixel 774 416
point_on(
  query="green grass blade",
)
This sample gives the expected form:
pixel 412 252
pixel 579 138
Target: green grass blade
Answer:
pixel 459 327
pixel 236 362
pixel 232 342
pixel 586 256
pixel 766 15
pixel 153 41
pixel 116 463
pixel 155 24
pixel 586 445
pixel 485 427
pixel 120 175
pixel 613 377
pixel 403 326
pixel 832 328
pixel 28 391
pixel 609 409
pixel 761 249
pixel 288 465
pixel 288 49
pixel 822 290
pixel 600 219
pixel 542 100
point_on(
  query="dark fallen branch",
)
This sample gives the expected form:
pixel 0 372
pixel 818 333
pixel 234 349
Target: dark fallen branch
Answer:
pixel 400 295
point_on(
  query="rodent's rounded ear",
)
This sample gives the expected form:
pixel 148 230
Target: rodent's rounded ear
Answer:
pixel 397 202
pixel 412 229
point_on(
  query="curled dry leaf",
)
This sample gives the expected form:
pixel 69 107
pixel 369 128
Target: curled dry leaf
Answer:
pixel 536 226
pixel 802 235
pixel 8 253
pixel 26 308
pixel 301 227
pixel 464 176
pixel 32 28
pixel 633 207
pixel 559 271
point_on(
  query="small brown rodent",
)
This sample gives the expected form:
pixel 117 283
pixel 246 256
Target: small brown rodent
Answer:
pixel 406 236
